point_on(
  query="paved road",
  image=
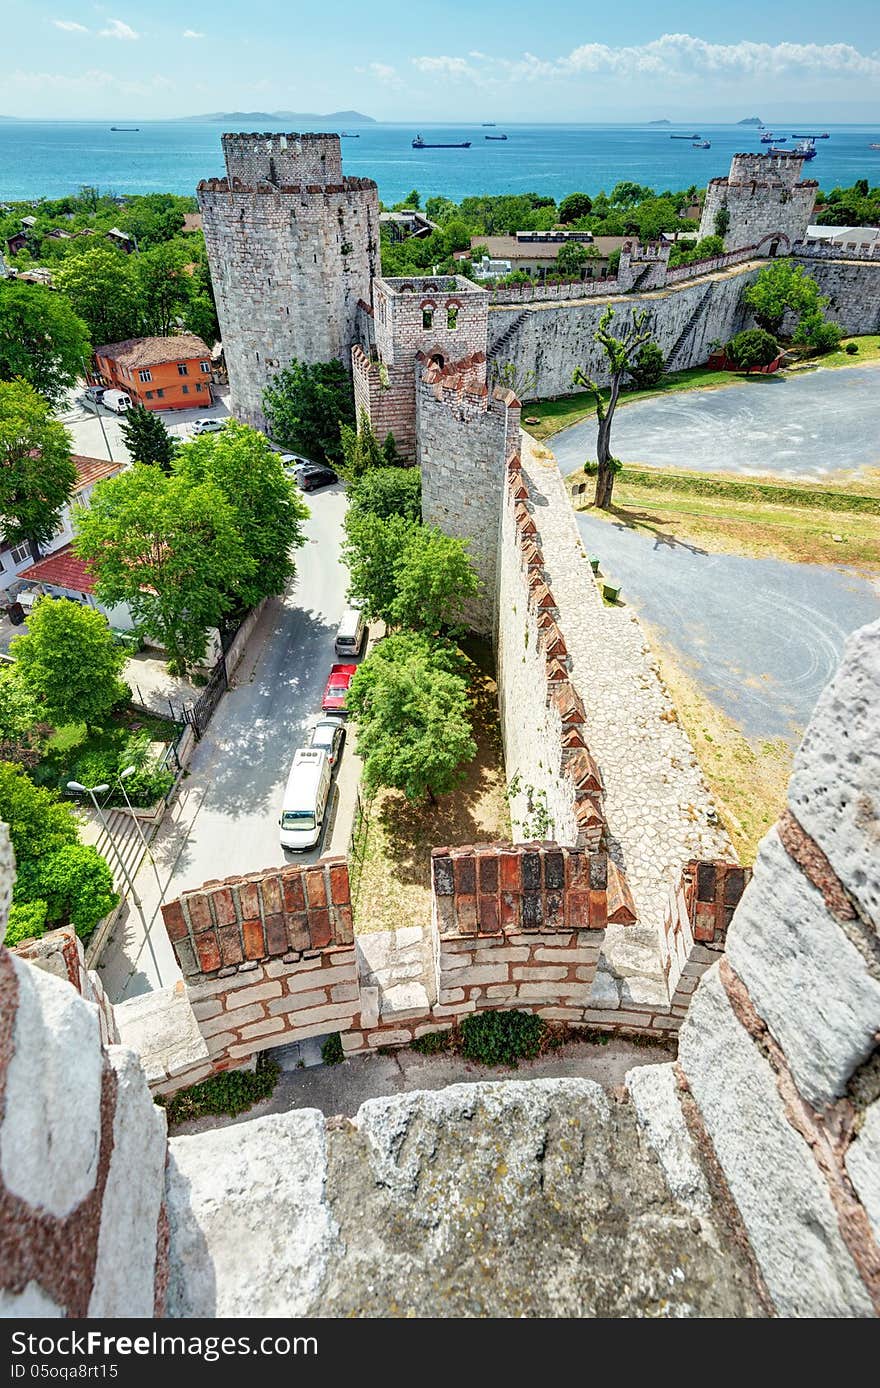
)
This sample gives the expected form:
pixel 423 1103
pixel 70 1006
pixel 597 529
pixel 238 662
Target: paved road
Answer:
pixel 225 819
pixel 811 424
pixel 94 441
pixel 761 636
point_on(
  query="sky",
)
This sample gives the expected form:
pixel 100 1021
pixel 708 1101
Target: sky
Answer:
pixel 562 60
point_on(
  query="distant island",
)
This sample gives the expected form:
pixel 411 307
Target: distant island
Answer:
pixel 659 122
pixel 306 117
pixel 751 120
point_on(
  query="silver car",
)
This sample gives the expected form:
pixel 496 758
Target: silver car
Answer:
pixel 329 734
pixel 208 426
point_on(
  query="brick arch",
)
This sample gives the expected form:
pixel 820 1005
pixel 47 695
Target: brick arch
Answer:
pixel 429 303
pixel 779 236
pixel 454 303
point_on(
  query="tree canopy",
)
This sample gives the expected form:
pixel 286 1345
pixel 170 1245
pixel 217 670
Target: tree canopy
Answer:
pixel 575 206
pixel 169 547
pixel 362 451
pixel 42 341
pixel 146 437
pixel 102 286
pixel 305 406
pixel 389 491
pixel 752 347
pixel 37 473
pixel 69 662
pixel 412 708
pixel 408 575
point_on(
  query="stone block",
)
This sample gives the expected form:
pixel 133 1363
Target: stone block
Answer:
pixel 321 978
pixel 390 1037
pixel 242 997
pixel 344 992
pixel 808 982
pixel 534 973
pixel 369 999
pixel 540 992
pixel 264 1028
pixel 209 1007
pixel 655 1098
pixel 863 1165
pixel 781 1196
pixel 297 1001
pixel 230 1020
pixel 834 790
pixel 500 954
pixel 480 973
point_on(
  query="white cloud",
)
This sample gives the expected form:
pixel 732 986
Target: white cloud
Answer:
pixel 672 57
pixel 117 29
pixel 95 78
pixel 70 26
pixel 192 34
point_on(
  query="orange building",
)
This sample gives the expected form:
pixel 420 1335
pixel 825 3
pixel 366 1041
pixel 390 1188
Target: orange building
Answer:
pixel 162 373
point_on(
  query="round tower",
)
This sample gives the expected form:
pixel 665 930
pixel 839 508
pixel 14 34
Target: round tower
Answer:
pixel 293 245
pixel 763 202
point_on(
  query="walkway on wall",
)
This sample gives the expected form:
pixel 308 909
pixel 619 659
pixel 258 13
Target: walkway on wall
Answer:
pixel 648 295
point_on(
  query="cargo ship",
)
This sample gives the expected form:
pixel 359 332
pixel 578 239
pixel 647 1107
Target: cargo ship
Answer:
pixel 684 137
pixel 419 143
pixel 494 137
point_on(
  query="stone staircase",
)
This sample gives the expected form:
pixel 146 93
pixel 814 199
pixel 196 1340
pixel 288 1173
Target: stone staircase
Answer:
pixel 499 347
pixel 124 833
pixel 672 361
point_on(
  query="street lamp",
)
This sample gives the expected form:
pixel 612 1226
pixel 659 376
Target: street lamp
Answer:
pixel 122 777
pixel 94 792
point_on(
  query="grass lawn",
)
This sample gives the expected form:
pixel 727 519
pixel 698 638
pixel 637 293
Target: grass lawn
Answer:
pixel 391 861
pixel 762 518
pixel 747 778
pixel 74 740
pixel 561 413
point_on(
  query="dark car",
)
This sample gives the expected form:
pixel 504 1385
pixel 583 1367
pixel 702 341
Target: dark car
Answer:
pixel 337 688
pixel 312 476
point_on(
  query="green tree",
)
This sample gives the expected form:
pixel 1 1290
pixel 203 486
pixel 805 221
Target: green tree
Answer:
pixel 571 259
pixel 268 511
pixel 22 734
pixel 413 714
pixel 169 548
pixel 722 222
pixel 103 289
pixel 37 473
pixel 166 286
pixel 753 347
pixel 306 405
pixel 146 437
pixel 575 206
pixel 816 331
pixel 362 451
pixel 433 580
pixel 42 340
pixel 371 550
pixel 649 366
pixel 73 882
pixel 69 661
pixel 621 354
pixel 389 491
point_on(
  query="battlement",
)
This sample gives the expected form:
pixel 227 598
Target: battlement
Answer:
pixel 785 167
pixel 444 316
pixel 283 159
pixel 763 201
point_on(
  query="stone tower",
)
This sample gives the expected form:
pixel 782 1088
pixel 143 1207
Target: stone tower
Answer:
pixel 768 204
pixel 425 381
pixel 293 246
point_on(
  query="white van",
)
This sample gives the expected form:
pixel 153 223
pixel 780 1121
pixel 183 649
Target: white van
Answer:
pixel 116 400
pixel 350 633
pixel 305 799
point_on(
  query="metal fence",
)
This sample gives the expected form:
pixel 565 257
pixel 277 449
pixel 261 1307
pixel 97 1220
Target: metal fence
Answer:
pixel 199 713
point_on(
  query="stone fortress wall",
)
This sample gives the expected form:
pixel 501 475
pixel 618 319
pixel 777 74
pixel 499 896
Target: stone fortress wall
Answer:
pixel 762 194
pixel 293 247
pixel 763 1136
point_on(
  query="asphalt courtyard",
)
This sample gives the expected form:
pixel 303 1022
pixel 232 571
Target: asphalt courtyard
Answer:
pixel 811 424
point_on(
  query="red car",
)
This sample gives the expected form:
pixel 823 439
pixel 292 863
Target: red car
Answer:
pixel 337 688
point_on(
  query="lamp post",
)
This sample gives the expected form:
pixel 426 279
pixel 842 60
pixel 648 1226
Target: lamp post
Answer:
pixel 100 416
pixel 122 777
pixel 93 792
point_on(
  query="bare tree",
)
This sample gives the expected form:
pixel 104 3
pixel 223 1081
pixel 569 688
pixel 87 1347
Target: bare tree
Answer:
pixel 621 353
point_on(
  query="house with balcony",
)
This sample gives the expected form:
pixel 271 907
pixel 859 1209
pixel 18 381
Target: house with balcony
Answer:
pixel 161 373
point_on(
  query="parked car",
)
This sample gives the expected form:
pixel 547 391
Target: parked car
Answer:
pixel 306 797
pixel 207 426
pixel 116 400
pixel 329 735
pixel 293 463
pixel 94 393
pixel 338 683
pixel 350 633
pixel 308 479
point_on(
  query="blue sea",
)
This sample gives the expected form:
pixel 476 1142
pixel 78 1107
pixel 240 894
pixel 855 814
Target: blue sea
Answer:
pixel 54 158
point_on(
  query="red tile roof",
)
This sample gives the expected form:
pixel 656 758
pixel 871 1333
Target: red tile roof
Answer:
pixel 138 352
pixel 89 470
pixel 63 569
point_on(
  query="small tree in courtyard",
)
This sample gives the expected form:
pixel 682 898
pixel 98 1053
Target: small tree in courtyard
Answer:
pixel 753 347
pixel 621 354
pixel 412 709
pixel 69 662
pixel 146 437
pixel 649 367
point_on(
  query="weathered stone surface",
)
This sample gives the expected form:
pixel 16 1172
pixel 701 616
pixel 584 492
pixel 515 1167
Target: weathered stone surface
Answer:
pixel 126 1264
pixel 781 1197
pixel 834 791
pixel 808 982
pixel 51 1131
pixel 655 1096
pixel 250 1231
pixel 863 1166
pixel 161 1028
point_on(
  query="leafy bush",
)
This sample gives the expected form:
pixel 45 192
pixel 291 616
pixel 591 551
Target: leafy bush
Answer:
pixel 27 921
pixel 231 1093
pixel 754 347
pixel 817 332
pixel 501 1038
pixel 389 491
pixel 433 1043
pixel 331 1050
pixel 649 367
pixel 77 885
pixel 101 765
pixel 851 349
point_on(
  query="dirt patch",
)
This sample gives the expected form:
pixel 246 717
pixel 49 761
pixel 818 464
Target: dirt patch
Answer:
pixel 391 860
